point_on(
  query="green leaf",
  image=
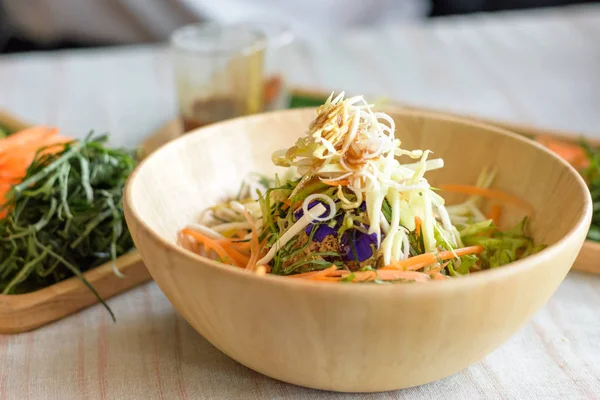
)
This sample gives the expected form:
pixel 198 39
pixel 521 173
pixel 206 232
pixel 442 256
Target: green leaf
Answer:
pixel 478 228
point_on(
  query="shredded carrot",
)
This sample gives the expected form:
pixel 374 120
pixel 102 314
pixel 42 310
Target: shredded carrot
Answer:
pixel 422 260
pixel 211 244
pixel 364 276
pixel 240 246
pixel 418 223
pixel 495 213
pixel 314 274
pixel 27 137
pixel 340 182
pixel 394 274
pixel 491 193
pixel 332 275
pixel 324 278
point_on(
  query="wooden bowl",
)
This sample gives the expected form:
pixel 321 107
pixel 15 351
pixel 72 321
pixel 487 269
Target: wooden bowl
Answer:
pixel 352 337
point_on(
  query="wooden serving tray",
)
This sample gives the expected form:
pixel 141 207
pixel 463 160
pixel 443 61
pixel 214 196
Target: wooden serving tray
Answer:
pixel 589 257
pixel 24 312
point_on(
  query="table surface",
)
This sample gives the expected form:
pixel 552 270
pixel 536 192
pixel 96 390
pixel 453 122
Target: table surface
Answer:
pixel 535 67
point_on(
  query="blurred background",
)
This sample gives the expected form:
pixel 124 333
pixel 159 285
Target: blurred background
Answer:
pixel 119 69
pixel 27 25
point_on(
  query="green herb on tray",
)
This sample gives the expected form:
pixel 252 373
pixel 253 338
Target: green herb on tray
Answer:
pixel 65 216
pixel 592 175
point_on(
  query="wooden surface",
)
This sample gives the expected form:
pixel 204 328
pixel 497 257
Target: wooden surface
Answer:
pixel 538 68
pixel 241 313
pixel 23 312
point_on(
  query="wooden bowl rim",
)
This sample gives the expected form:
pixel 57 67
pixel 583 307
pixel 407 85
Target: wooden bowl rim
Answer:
pixel 478 278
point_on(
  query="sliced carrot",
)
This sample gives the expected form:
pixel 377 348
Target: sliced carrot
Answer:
pixel 18 150
pixel 364 276
pixel 490 193
pixel 240 246
pixel 395 274
pixel 330 275
pixel 418 223
pixel 324 278
pixel 423 260
pixel 36 134
pixel 495 213
pixel 225 252
pixel 208 243
pixel 315 274
pixel 340 182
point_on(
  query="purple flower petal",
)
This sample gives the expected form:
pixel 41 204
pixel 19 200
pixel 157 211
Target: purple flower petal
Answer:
pixel 322 232
pixel 356 244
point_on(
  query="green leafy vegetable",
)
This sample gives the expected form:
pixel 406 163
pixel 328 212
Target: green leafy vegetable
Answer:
pixel 592 175
pixel 501 247
pixel 65 217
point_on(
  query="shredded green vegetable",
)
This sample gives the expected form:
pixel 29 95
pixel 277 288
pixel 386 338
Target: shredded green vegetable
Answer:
pixel 592 174
pixel 65 217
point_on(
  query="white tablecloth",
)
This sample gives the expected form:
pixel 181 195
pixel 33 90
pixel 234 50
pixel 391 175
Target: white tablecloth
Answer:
pixel 538 67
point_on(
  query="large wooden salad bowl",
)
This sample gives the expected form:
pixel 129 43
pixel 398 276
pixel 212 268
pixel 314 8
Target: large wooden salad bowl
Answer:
pixel 354 337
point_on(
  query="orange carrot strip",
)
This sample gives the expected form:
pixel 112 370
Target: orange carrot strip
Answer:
pixel 491 193
pixel 391 274
pixel 339 182
pixel 322 272
pixel 364 276
pixel 210 244
pixel 338 273
pixel 240 258
pixel 422 260
pixel 237 245
pixel 495 213
pixel 18 151
pixel 418 223
pixel 324 279
pixel 35 134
